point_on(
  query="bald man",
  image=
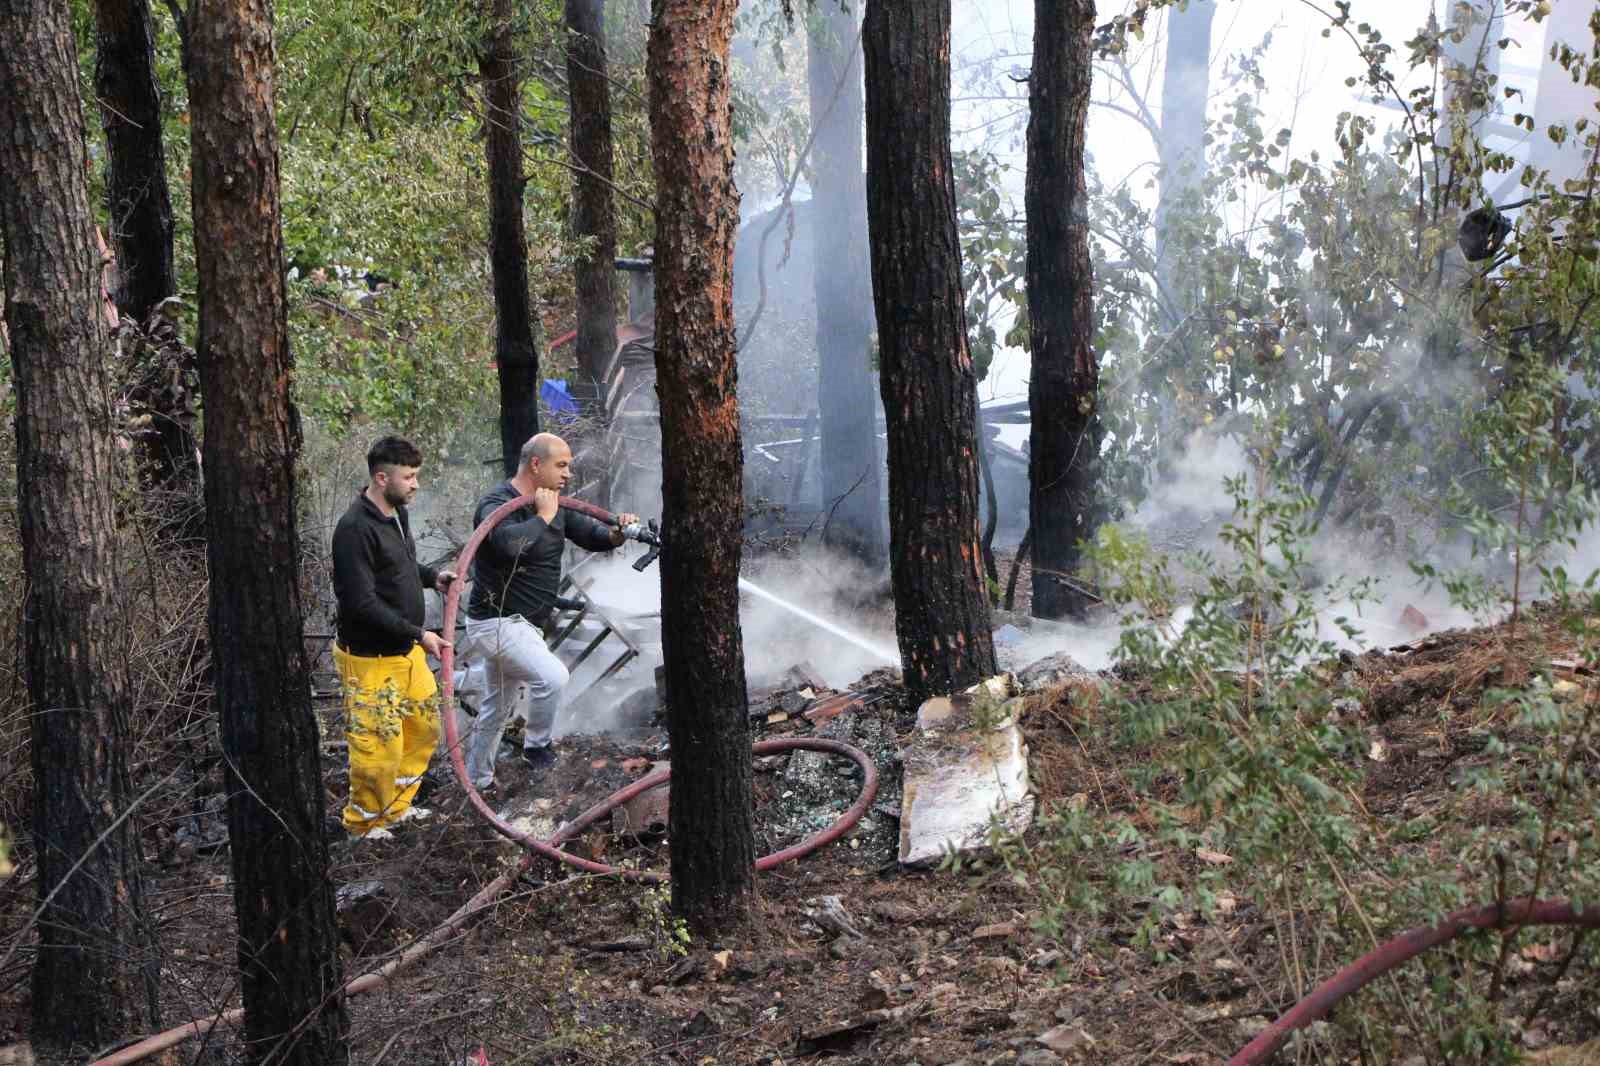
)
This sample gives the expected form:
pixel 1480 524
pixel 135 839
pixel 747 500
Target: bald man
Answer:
pixel 515 575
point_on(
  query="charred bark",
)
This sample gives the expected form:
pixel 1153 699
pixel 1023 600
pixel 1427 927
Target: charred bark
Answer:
pixel 288 939
pixel 94 974
pixel 926 374
pixel 850 460
pixel 1063 389
pixel 594 218
pixel 140 209
pixel 136 168
pixel 516 352
pixel 697 214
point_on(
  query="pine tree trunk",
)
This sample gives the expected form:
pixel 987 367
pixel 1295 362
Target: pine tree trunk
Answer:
pixel 515 351
pixel 136 169
pixel 1064 387
pixel 290 973
pixel 697 213
pixel 593 214
pixel 926 373
pixel 850 459
pixel 94 975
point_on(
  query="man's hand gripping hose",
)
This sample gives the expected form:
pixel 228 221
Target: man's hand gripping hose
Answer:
pixel 648 535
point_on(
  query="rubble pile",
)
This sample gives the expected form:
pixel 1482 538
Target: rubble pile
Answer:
pixel 948 782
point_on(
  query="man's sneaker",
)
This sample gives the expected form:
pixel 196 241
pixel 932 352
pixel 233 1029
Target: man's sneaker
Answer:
pixel 376 834
pixel 538 760
pixel 413 814
pixel 430 783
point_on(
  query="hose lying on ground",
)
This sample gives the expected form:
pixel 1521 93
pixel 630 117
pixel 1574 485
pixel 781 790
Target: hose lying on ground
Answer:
pixel 1402 949
pixel 550 848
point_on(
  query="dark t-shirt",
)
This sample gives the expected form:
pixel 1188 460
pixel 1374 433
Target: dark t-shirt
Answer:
pixel 517 568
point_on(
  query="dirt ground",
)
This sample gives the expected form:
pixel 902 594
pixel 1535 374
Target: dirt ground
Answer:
pixel 948 967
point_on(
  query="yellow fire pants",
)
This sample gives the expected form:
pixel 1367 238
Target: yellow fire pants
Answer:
pixel 392 726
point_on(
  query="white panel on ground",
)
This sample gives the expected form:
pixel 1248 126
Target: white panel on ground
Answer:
pixel 966 771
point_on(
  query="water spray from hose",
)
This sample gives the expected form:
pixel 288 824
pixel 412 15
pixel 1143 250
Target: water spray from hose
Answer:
pixel 650 534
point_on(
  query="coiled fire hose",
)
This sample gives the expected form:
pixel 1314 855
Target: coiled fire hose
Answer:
pixel 550 848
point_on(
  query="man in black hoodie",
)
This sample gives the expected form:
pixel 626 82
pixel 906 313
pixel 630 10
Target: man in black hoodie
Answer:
pixel 515 576
pixel 393 720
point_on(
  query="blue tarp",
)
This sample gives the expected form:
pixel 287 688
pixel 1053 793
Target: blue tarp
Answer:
pixel 560 402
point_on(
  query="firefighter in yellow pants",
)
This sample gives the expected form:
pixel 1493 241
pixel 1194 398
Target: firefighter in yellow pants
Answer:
pixel 393 729
pixel 383 646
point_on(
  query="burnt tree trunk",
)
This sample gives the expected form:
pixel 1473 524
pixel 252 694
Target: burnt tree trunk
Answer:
pixel 594 217
pixel 515 351
pixel 288 939
pixel 140 210
pixel 1063 389
pixel 926 373
pixel 136 169
pixel 850 461
pixel 697 214
pixel 94 975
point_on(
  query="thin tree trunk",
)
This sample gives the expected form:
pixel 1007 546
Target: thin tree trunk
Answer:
pixel 593 213
pixel 136 168
pixel 991 521
pixel 516 352
pixel 1063 389
pixel 290 973
pixel 94 974
pixel 849 457
pixel 1181 146
pixel 140 210
pixel 927 379
pixel 1016 566
pixel 697 214
pixel 1185 87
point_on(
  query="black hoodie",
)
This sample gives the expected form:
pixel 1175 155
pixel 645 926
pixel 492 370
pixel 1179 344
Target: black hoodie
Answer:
pixel 377 581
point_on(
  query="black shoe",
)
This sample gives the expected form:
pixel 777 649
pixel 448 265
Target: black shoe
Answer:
pixel 538 760
pixel 431 782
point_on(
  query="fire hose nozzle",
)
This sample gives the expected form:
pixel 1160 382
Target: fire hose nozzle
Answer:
pixel 648 534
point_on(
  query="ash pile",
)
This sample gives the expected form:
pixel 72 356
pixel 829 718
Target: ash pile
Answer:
pixel 804 792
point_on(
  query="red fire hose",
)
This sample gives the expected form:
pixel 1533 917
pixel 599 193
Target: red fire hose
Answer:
pixel 1402 949
pixel 550 848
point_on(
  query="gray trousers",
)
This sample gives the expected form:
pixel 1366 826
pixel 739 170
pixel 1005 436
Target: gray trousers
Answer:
pixel 508 668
